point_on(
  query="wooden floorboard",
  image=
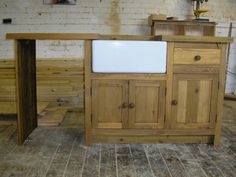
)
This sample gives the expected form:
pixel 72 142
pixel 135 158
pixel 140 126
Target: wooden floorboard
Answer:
pixel 205 161
pixel 92 159
pixel 108 161
pixel 125 163
pixel 77 155
pixel 174 164
pixel 156 160
pixel 141 163
pixel 60 151
pixel 189 162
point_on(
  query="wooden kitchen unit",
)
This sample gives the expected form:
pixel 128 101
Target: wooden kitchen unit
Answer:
pixel 182 105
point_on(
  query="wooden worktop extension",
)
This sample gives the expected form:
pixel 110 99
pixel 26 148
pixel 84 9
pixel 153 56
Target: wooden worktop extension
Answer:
pixel 94 36
pixel 74 36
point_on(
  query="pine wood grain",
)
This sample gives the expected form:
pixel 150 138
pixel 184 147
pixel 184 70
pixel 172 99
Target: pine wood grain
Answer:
pixel 193 39
pixel 108 100
pixel 148 98
pixel 26 88
pixel 188 55
pixel 56 78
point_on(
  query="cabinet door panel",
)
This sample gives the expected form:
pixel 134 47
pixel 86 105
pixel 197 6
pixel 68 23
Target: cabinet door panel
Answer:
pixel 109 103
pixel 194 98
pixel 148 99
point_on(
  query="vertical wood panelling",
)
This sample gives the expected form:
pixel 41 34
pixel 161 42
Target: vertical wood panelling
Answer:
pixel 182 99
pixel 192 101
pixel 205 89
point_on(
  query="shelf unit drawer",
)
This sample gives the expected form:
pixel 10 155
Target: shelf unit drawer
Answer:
pixel 196 56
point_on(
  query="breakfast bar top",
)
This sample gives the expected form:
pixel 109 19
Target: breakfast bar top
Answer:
pixel 96 36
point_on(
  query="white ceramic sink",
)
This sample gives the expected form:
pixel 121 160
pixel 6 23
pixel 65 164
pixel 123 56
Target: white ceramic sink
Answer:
pixel 116 56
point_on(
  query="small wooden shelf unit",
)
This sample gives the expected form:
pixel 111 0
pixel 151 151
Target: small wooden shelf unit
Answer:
pixel 181 27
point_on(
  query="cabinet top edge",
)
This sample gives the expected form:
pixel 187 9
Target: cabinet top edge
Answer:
pixel 74 36
pixel 197 39
pixel 96 36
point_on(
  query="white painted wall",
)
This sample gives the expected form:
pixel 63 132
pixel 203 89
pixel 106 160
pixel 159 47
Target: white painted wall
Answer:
pixel 105 17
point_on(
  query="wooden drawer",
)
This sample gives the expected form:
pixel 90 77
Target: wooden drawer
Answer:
pixel 197 56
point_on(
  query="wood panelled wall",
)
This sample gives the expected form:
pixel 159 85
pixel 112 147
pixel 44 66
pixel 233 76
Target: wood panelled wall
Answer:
pixel 55 79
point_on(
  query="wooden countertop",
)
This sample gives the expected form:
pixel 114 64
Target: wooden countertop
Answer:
pixel 74 36
pixel 204 39
pixel 95 36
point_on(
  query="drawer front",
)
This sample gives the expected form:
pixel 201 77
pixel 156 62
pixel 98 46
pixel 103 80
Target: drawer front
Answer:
pixel 196 56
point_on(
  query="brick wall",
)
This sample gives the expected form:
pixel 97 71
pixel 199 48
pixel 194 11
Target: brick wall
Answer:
pixel 105 17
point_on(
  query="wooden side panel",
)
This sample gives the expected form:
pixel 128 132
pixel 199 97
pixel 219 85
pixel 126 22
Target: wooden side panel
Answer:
pixel 26 88
pixel 220 93
pixel 109 103
pixel 146 104
pixel 194 101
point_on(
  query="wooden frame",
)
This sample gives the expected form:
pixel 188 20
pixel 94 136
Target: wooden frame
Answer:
pixel 26 88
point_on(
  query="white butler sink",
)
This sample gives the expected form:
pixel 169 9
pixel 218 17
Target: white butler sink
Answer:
pixel 118 56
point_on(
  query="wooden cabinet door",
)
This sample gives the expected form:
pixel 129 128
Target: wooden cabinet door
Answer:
pixel 109 103
pixel 194 100
pixel 146 104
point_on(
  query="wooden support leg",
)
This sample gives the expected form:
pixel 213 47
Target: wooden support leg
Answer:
pixel 26 88
pixel 88 104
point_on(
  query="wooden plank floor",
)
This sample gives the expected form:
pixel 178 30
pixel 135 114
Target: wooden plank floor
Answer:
pixel 60 151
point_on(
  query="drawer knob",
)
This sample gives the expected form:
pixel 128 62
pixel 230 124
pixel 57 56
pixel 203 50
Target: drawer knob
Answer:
pixel 174 102
pixel 197 58
pixel 131 105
